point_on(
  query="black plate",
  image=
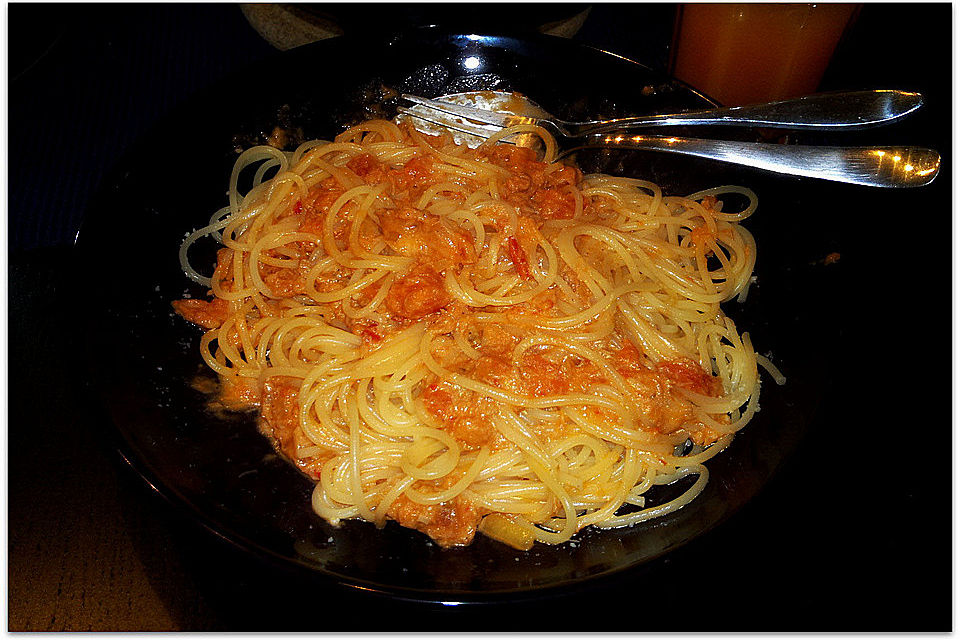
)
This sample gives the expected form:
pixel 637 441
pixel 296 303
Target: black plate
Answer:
pixel 144 360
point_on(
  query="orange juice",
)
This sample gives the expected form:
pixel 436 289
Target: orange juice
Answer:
pixel 748 53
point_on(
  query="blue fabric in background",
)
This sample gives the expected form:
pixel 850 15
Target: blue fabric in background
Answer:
pixel 108 73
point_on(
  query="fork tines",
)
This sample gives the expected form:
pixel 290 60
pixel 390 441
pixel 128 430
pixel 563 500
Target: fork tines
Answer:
pixel 451 122
pixel 470 113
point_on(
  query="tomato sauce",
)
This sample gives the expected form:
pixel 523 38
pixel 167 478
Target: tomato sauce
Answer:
pixel 450 524
pixel 689 375
pixel 534 185
pixel 418 294
pixel 208 314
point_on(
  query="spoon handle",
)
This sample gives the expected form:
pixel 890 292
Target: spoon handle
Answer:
pixel 824 111
pixel 888 166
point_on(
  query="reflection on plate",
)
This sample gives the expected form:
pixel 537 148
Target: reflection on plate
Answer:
pixel 145 363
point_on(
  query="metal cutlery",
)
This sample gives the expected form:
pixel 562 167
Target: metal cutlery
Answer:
pixel 480 115
pixel 825 111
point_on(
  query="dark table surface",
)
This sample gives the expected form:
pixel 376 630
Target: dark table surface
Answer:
pixel 91 548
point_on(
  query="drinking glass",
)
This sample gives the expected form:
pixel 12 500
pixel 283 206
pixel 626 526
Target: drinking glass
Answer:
pixel 741 54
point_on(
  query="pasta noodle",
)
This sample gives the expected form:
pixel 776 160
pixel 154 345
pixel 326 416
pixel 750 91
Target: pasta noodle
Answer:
pixel 471 339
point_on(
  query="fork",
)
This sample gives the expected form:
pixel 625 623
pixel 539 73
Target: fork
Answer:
pixel 881 166
pixel 826 111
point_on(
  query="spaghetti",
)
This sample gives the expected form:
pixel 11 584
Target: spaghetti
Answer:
pixel 471 339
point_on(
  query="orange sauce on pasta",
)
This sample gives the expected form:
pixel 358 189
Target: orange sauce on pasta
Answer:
pixel 541 192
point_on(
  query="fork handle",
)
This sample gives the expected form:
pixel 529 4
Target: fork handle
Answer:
pixel 889 166
pixel 824 111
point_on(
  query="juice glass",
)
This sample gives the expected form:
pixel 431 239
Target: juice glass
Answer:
pixel 748 53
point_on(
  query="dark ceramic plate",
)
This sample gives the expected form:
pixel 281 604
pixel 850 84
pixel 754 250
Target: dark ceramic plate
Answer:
pixel 144 360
